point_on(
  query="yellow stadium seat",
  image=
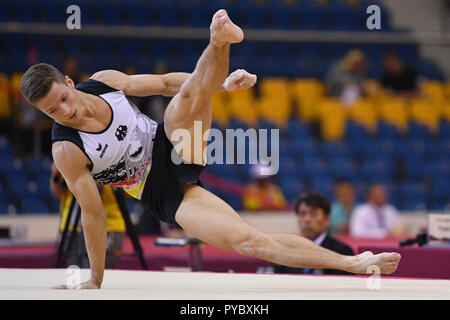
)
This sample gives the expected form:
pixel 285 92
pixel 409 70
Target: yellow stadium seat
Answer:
pixel 276 111
pixel 307 94
pixel 242 106
pixel 219 109
pixel 433 90
pixel 274 86
pixel 394 111
pixel 332 118
pixel 4 82
pixel 426 112
pixel 307 88
pixel 275 102
pixel 447 90
pixel 363 111
pixel 15 86
pixel 5 107
pixel 445 110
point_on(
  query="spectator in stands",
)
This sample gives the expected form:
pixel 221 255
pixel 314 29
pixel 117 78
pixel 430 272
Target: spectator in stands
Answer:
pixel 342 208
pixel 398 78
pixel 313 212
pixel 376 218
pixel 346 78
pixel 77 254
pixel 262 194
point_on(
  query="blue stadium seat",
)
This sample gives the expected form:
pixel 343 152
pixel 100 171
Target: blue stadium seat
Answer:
pixel 3 206
pixel 444 129
pixel 339 16
pixel 298 129
pixel 56 12
pixel 362 149
pixel 2 193
pixel 430 70
pixel 3 12
pixel 304 146
pixel 310 16
pixel 33 204
pixel 315 167
pixel 243 172
pixel 290 168
pixel 437 148
pixel 292 187
pixel 19 11
pixel 285 144
pixel 334 150
pixel 418 131
pixel 355 131
pixel 377 170
pixel 17 184
pixel 7 206
pixel 388 131
pixel 441 190
pixel 385 147
pixel 413 167
pixel 438 168
pixel 230 173
pixel 413 196
pixel 323 185
pixel 39 171
pixel 5 151
pixel 342 168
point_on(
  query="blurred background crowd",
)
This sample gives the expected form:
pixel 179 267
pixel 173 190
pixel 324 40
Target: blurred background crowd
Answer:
pixel 366 122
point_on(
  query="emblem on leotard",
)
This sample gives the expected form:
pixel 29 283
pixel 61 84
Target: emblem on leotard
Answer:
pixel 121 132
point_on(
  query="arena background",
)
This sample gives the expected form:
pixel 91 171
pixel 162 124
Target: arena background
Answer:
pixel 291 46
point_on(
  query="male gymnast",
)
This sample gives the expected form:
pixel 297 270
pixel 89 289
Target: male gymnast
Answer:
pixel 99 136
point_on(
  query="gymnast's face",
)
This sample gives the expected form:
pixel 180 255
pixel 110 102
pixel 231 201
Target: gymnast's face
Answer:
pixel 312 221
pixel 61 103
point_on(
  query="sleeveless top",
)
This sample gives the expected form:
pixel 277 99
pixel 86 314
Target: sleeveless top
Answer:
pixel 120 154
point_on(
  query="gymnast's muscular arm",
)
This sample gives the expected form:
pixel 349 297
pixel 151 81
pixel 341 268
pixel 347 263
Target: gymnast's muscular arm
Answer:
pixel 142 85
pixel 73 165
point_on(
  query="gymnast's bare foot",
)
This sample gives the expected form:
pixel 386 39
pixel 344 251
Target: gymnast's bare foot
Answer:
pixel 223 31
pixel 386 261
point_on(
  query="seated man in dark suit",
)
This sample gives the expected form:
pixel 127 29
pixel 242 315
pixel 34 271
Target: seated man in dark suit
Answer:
pixel 313 211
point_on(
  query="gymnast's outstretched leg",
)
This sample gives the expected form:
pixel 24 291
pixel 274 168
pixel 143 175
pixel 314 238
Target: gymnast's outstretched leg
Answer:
pixel 209 218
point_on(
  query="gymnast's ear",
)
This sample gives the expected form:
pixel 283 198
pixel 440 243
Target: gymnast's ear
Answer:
pixel 69 81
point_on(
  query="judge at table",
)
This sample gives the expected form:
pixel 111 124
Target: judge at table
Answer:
pixel 313 216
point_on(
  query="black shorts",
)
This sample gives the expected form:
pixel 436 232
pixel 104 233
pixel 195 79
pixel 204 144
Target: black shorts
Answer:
pixel 163 191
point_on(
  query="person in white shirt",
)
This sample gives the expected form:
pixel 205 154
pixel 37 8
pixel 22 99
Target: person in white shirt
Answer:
pixel 376 218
